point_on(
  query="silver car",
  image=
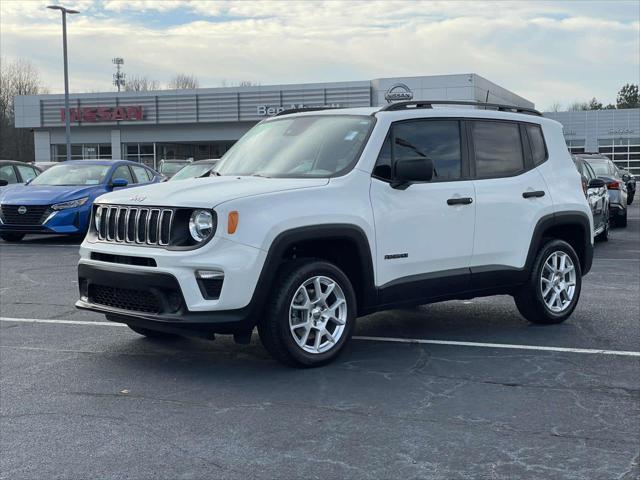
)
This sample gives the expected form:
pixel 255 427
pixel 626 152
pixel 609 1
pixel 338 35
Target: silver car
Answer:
pixel 595 189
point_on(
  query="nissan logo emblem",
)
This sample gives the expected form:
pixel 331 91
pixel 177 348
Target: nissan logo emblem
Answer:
pixel 398 92
pixel 22 210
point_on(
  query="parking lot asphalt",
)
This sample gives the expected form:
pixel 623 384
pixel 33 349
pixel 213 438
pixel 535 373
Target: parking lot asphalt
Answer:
pixel 94 400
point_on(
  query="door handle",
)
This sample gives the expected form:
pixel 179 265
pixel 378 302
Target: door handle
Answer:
pixel 535 194
pixel 460 201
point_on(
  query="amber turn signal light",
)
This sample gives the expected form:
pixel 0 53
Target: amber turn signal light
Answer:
pixel 232 225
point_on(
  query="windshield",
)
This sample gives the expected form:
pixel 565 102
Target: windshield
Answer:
pixel 171 168
pixel 309 146
pixel 600 168
pixel 193 170
pixel 75 174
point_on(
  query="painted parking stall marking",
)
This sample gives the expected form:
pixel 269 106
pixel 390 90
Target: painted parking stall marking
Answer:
pixel 419 341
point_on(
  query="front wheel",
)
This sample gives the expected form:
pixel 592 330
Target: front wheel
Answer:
pixel 12 237
pixel 311 314
pixel 553 289
pixel 622 219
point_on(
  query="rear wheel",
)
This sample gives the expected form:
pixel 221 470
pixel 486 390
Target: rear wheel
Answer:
pixel 621 221
pixel 553 289
pixel 604 235
pixel 311 314
pixel 11 237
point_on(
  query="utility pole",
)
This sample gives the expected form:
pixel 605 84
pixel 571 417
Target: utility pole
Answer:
pixel 67 116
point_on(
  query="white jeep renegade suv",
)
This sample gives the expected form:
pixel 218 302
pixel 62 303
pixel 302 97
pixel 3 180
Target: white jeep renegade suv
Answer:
pixel 320 216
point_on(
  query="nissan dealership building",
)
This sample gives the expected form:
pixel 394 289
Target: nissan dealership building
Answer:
pixel 204 123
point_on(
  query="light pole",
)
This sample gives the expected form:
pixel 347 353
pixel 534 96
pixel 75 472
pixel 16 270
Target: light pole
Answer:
pixel 67 119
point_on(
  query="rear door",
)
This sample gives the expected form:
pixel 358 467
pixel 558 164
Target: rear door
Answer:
pixel 596 198
pixel 424 233
pixel 511 195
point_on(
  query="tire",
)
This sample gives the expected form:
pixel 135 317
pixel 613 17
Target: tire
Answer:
pixel 529 298
pixel 12 237
pixel 604 235
pixel 621 221
pixel 304 346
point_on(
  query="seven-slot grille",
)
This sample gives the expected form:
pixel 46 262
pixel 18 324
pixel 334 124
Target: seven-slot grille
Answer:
pixel 136 225
pixel 33 214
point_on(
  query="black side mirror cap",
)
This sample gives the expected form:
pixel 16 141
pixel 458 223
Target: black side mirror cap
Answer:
pixel 411 170
pixel 596 183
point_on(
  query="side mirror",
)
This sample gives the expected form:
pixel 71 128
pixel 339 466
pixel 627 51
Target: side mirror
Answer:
pixel 411 170
pixel 119 183
pixel 626 177
pixel 596 183
pixel 3 182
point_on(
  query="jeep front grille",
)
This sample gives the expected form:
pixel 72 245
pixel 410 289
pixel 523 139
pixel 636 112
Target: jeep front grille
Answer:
pixel 134 225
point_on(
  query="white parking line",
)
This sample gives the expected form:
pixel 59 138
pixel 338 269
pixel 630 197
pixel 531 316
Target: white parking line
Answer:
pixel 454 343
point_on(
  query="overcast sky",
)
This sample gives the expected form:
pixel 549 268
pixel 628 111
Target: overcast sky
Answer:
pixel 545 51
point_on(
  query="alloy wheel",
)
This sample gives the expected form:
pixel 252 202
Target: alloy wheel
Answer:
pixel 318 315
pixel 558 281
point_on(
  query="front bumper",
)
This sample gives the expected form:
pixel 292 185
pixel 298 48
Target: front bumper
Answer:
pixel 73 221
pixel 170 314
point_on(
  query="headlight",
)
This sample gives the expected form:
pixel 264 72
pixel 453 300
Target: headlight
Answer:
pixel 97 217
pixel 201 225
pixel 70 204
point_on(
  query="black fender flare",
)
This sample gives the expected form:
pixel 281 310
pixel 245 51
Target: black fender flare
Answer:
pixel 559 219
pixel 338 231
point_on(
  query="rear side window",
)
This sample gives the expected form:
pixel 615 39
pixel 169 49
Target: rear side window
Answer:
pixel 498 149
pixel 536 140
pixel 438 140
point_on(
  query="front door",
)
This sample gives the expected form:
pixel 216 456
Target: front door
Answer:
pixel 424 233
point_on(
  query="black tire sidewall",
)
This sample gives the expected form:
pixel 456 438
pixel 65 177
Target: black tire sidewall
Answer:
pixel 547 250
pixel 297 275
pixel 12 237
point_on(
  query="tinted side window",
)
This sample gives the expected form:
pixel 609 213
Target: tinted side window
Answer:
pixel 438 140
pixel 536 140
pixel 123 172
pixel 498 149
pixel 141 173
pixel 590 174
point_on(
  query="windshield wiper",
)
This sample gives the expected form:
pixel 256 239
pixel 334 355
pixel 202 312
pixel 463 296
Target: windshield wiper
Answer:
pixel 259 175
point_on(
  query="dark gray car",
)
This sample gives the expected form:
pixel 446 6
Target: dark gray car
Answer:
pixel 605 169
pixel 12 171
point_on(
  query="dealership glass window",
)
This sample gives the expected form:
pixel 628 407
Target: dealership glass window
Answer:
pixel 575 146
pixel 81 151
pixel 140 152
pixel 623 151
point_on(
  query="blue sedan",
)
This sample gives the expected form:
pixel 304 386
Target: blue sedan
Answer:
pixel 59 200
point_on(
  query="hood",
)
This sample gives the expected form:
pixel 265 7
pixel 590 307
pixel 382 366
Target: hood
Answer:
pixel 47 194
pixel 206 192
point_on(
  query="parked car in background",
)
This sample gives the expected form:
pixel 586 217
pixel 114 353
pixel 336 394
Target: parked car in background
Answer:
pixel 59 200
pixel 168 168
pixel 605 169
pixel 630 180
pixel 14 172
pixel 199 169
pixel 595 189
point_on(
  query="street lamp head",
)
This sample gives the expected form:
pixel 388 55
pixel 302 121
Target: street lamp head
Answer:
pixel 62 9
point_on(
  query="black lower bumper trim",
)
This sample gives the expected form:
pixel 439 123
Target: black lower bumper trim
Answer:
pixel 180 321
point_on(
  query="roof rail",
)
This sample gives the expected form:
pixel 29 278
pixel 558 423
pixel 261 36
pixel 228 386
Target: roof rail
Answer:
pixel 303 109
pixel 429 104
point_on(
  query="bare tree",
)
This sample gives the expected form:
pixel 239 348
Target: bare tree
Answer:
pixel 183 82
pixel 242 83
pixel 577 106
pixel 555 107
pixel 18 77
pixel 143 83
